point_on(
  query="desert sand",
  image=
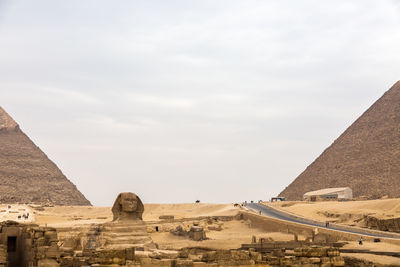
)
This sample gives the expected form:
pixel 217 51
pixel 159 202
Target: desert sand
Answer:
pixel 232 236
pixel 233 233
pixel 348 212
pixel 78 215
pixel 16 213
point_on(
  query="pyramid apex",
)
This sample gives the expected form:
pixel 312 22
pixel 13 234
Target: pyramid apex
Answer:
pixel 6 122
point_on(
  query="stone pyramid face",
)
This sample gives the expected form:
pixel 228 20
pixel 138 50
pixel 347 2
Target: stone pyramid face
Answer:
pixel 366 157
pixel 27 175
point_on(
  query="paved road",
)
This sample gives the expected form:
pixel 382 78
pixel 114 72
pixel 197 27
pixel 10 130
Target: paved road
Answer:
pixel 269 212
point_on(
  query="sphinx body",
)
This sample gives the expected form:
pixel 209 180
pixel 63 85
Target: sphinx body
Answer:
pixel 127 228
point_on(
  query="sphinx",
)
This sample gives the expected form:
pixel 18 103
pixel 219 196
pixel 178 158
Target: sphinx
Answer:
pixel 127 206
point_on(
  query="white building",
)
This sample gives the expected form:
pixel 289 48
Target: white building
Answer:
pixel 329 193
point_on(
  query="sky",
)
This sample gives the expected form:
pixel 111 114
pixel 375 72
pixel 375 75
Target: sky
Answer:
pixel 221 101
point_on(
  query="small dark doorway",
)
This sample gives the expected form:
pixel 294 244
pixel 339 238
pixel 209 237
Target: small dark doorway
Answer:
pixel 11 244
pixel 156 228
pixel 12 254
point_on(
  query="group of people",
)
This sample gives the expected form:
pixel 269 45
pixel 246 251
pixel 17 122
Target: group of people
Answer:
pixel 25 216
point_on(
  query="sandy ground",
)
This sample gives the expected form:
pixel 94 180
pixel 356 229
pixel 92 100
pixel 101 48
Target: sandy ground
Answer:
pixel 16 213
pixel 342 212
pixel 382 246
pixel 234 234
pixel 153 211
pixel 374 258
pixel 77 215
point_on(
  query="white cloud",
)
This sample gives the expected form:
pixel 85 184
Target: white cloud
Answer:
pixel 154 101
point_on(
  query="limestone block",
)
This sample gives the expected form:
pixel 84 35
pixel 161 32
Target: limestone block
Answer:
pixel 130 253
pixel 179 231
pixel 197 233
pixel 325 260
pixel 41 241
pixel 41 252
pixel 272 260
pixel 257 256
pixel 332 252
pixel 38 234
pixel 67 261
pixel 316 252
pixel 148 262
pixel 278 253
pixel 48 263
pixel 285 262
pixel 337 261
pixel 166 217
pixel 164 254
pixel 314 260
pixel 216 256
pixel 51 235
pixel 52 252
pixel 183 263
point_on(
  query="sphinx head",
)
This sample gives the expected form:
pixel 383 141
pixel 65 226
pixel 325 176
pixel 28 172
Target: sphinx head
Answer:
pixel 127 206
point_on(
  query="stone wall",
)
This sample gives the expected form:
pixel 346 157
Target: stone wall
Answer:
pixel 3 255
pixel 318 256
pixel 388 224
pixel 41 247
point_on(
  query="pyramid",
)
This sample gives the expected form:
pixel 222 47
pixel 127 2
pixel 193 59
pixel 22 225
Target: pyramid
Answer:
pixel 27 175
pixel 366 157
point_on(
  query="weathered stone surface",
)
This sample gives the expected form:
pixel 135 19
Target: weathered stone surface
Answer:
pixel 149 262
pixel 3 254
pixel 166 217
pixel 383 224
pixel 48 263
pixel 127 206
pixel 195 233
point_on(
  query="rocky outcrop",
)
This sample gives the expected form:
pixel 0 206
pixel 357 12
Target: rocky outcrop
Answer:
pixel 195 233
pixel 27 175
pixel 365 157
pixel 382 224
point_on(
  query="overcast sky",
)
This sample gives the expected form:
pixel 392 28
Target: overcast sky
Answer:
pixel 221 101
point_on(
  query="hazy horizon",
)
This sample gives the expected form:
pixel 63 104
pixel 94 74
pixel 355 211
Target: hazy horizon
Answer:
pixel 221 101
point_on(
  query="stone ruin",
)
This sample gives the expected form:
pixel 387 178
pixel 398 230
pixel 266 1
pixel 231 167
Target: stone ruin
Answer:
pixel 195 233
pixel 34 246
pixel 28 245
